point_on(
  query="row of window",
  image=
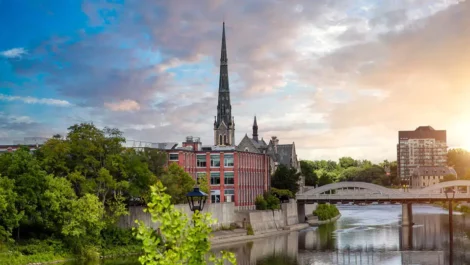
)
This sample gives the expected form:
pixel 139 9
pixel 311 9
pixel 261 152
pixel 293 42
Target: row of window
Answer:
pixel 229 196
pixel 215 160
pixel 215 177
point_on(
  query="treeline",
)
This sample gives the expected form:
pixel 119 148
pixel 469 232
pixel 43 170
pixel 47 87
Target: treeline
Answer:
pixel 73 189
pixel 322 172
pixel 459 159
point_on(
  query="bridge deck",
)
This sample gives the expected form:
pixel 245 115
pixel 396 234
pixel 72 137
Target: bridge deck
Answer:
pixel 380 198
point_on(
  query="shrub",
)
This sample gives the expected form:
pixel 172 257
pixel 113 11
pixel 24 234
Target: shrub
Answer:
pixel 273 203
pixel 261 203
pixel 326 211
pixel 249 230
pixel 283 195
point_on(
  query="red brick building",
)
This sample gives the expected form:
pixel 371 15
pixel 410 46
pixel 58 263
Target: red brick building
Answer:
pixel 234 176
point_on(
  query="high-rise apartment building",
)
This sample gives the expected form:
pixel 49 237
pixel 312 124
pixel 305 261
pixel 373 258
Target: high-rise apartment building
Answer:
pixel 421 147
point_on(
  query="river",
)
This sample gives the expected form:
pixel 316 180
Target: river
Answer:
pixel 363 235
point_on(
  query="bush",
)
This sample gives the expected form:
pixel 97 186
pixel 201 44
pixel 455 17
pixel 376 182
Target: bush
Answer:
pixel 249 230
pixel 283 195
pixel 261 203
pixel 273 203
pixel 326 211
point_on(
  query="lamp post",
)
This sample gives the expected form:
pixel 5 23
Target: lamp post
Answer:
pixel 450 195
pixel 196 199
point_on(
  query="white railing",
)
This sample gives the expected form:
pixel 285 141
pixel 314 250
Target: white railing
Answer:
pixel 372 197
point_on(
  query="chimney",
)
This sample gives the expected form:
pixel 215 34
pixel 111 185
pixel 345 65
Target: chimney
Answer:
pixel 193 142
pixel 275 143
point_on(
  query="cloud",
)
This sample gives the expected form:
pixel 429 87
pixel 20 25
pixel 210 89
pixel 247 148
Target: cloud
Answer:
pixel 32 100
pixel 333 76
pixel 14 53
pixel 124 105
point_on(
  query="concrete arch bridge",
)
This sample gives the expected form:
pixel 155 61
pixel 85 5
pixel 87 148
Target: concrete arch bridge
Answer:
pixel 364 193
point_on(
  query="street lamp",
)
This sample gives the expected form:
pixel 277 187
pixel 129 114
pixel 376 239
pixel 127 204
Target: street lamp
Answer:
pixel 196 199
pixel 450 195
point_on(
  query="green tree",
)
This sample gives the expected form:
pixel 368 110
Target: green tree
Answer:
pixel 180 241
pixel 10 216
pixel 57 202
pixel 347 162
pixel 459 159
pixel 156 160
pixel 204 184
pixel 325 177
pixel 29 185
pixel 136 170
pixel 177 182
pixel 84 223
pixel 286 178
pixel 308 171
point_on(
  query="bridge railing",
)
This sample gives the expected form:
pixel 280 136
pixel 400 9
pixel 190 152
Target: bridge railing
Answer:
pixel 371 197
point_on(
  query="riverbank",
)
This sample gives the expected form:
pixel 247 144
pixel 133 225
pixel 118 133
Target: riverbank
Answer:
pixel 240 235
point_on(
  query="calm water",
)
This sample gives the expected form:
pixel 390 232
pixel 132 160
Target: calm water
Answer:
pixel 363 235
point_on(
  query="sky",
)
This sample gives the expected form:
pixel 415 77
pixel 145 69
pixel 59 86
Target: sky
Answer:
pixel 337 77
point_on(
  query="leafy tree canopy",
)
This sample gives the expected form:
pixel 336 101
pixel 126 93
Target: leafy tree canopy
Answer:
pixel 286 178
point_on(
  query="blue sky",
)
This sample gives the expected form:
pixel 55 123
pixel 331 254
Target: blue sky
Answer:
pixel 335 77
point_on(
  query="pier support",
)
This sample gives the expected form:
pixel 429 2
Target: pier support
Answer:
pixel 301 212
pixel 406 214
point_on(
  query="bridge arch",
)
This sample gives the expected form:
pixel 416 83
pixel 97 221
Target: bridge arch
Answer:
pixel 346 184
pixel 443 185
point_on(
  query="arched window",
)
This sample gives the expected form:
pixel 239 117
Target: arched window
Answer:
pixel 225 139
pixel 246 149
pixel 220 139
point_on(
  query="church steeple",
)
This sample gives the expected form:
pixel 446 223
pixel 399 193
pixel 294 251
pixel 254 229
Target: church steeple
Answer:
pixel 255 130
pixel 224 125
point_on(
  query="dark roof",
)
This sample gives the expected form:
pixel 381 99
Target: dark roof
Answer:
pixel 433 171
pixel 259 144
pixel 424 132
pixel 284 152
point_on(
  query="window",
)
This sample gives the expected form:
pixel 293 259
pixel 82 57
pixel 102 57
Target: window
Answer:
pixel 225 139
pixel 228 160
pixel 200 175
pixel 173 157
pixel 215 196
pixel 229 195
pixel 228 178
pixel 215 178
pixel 201 160
pixel 215 160
pixel 220 139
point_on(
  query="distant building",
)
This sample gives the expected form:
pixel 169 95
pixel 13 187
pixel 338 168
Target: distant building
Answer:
pixel 12 148
pixel 33 143
pixel 428 176
pixel 280 154
pixel 422 147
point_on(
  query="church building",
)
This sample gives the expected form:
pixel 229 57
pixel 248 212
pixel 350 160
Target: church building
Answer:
pixel 236 173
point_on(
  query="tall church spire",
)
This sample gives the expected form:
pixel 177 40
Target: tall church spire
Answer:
pixel 255 130
pixel 224 107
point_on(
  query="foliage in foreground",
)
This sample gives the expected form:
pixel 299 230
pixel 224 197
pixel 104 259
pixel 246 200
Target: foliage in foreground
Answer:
pixel 179 240
pixel 326 211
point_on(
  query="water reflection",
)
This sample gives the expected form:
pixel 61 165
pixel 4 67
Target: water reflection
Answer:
pixel 363 235
pixel 367 235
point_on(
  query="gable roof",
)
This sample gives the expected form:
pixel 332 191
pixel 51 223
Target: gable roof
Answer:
pixel 285 153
